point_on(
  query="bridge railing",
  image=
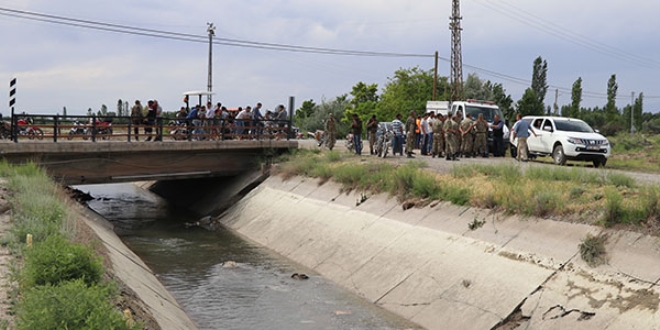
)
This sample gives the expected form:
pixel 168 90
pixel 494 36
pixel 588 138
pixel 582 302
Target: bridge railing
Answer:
pixel 58 128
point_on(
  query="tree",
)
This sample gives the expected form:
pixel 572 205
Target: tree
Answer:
pixel 409 89
pixel 611 112
pixel 576 98
pixel 104 110
pixel 363 102
pixel 539 79
pixel 503 101
pixel 89 112
pixel 306 110
pixel 319 114
pixel 529 105
pixel 638 111
pixel 120 108
pixel 64 111
pixel 475 88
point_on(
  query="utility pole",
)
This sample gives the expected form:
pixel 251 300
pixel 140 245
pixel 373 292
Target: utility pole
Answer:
pixel 211 30
pixel 456 52
pixel 435 78
pixel 632 113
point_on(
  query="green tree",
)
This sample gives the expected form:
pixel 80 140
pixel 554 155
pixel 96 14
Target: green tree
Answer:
pixel 611 112
pixel 319 114
pixel 539 79
pixel 120 108
pixel 576 98
pixel 64 111
pixel 638 111
pixel 306 110
pixel 363 102
pixel 505 102
pixel 529 104
pixel 409 89
pixel 475 88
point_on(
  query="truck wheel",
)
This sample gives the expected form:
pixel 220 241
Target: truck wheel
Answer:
pixel 558 155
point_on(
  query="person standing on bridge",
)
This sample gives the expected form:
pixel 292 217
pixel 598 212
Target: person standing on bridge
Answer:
pixel 136 118
pixel 150 119
pixel 159 121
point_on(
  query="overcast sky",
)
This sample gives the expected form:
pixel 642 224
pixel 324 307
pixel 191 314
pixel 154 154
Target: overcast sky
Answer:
pixel 58 65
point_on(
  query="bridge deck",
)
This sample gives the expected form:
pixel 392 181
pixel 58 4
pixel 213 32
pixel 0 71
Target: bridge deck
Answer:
pixel 108 161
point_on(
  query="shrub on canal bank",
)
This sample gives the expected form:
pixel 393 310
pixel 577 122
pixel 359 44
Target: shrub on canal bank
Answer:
pixel 59 283
pixel 574 193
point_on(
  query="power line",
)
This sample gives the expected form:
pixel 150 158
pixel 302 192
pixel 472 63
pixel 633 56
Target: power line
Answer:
pixel 555 30
pixel 177 36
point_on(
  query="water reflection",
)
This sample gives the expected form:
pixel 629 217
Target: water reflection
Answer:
pixel 224 281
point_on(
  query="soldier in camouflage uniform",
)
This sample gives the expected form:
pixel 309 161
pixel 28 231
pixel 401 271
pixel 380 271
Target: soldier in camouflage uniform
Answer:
pixel 467 139
pixel 451 129
pixel 438 136
pixel 411 126
pixel 481 128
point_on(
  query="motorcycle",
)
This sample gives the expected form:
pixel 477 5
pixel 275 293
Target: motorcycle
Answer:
pixel 384 143
pixel 178 130
pixel 349 142
pixel 26 127
pixel 79 129
pixel 103 128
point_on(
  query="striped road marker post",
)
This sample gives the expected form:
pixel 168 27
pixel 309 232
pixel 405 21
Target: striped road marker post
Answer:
pixel 12 101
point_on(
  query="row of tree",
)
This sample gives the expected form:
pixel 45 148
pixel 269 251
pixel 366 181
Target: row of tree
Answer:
pixel 410 89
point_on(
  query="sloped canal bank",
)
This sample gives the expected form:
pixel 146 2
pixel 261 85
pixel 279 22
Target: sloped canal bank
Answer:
pixel 224 281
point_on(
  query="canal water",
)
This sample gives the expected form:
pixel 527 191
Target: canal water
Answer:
pixel 224 281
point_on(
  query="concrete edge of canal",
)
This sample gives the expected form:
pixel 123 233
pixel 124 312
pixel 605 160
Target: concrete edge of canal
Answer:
pixel 136 275
pixel 426 265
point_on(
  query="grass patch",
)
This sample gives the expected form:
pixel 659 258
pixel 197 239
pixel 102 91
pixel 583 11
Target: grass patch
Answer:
pixel 59 284
pixel 574 193
pixel 592 250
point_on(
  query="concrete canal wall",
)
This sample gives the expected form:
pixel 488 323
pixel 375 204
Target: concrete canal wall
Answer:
pixel 128 268
pixel 426 265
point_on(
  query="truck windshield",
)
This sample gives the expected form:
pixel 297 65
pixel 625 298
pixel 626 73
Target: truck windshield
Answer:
pixel 489 113
pixel 573 126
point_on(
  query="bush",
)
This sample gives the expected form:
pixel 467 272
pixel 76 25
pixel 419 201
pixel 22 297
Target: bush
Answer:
pixel 71 305
pixel 39 229
pixel 55 260
pixel 592 250
pixel 614 211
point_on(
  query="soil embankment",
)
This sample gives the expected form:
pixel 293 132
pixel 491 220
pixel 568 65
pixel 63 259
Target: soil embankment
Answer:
pixel 426 265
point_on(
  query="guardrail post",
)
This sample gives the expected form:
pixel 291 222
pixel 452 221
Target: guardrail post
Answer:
pixel 292 101
pixel 129 130
pixel 93 128
pixel 55 128
pixel 14 128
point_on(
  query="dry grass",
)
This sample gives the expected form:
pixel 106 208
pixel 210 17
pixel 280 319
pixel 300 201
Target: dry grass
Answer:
pixel 573 194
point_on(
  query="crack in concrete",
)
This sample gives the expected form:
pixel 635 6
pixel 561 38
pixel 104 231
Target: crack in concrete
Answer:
pixel 559 311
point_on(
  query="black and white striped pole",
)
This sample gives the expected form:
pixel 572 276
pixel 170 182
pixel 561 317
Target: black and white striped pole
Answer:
pixel 12 101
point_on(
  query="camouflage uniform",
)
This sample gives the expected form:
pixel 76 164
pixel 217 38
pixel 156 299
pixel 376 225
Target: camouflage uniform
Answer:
pixel 438 138
pixel 411 126
pixel 331 130
pixel 467 139
pixel 480 137
pixel 451 147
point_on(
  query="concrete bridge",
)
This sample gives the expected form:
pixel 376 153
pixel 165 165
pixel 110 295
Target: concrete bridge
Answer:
pixel 73 163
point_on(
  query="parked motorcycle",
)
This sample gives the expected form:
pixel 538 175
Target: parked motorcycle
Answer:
pixel 178 130
pixel 349 142
pixel 384 143
pixel 103 128
pixel 27 127
pixel 79 129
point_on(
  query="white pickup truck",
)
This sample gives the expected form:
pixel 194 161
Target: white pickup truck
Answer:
pixel 564 139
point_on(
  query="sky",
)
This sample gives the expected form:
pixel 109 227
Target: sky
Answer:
pixel 78 68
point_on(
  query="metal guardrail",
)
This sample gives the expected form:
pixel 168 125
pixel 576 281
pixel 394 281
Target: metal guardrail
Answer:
pixel 94 128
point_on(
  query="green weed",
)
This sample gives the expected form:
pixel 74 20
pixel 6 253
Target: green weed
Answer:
pixel 592 250
pixel 71 305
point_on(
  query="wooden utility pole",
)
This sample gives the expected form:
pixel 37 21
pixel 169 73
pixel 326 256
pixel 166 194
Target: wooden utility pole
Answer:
pixel 456 52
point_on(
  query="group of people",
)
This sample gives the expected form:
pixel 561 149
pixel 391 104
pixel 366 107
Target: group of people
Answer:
pixel 433 135
pixel 208 122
